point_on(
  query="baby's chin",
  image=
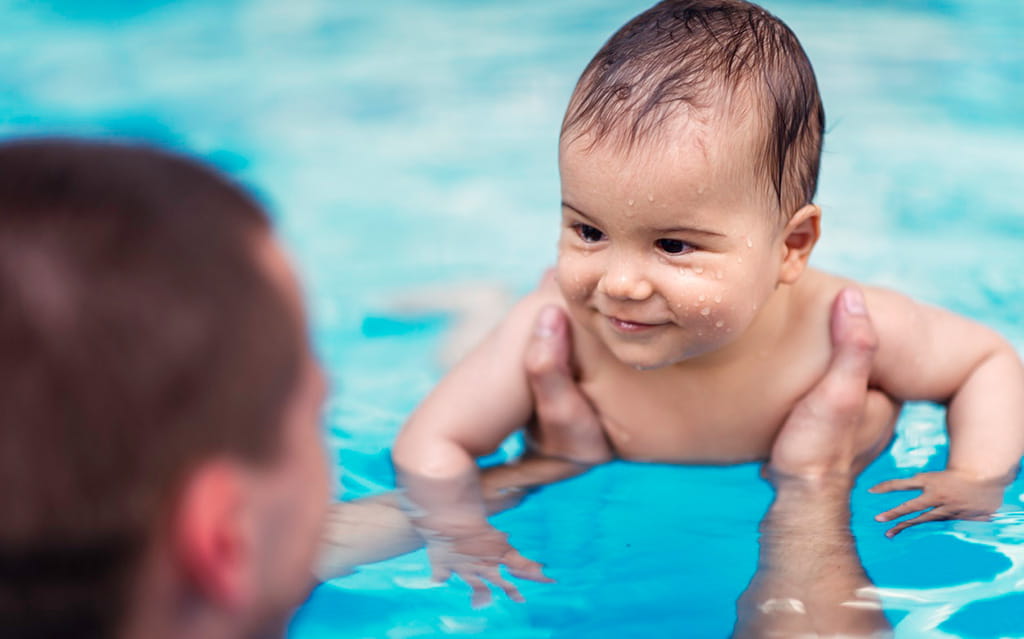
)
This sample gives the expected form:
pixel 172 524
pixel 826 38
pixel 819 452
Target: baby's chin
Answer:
pixel 646 361
pixel 648 358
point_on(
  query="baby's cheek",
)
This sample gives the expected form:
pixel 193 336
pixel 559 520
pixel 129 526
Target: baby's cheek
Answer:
pixel 705 304
pixel 573 279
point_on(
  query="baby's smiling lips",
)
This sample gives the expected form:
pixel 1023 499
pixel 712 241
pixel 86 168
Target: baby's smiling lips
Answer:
pixel 631 326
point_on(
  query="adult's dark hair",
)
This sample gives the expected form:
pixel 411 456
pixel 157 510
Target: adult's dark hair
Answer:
pixel 699 55
pixel 139 336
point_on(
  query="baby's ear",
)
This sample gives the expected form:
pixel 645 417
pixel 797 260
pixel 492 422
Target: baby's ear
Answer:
pixel 798 239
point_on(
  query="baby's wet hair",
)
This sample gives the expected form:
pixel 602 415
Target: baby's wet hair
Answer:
pixel 698 55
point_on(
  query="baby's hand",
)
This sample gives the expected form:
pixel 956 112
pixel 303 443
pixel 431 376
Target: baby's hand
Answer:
pixel 949 494
pixel 475 552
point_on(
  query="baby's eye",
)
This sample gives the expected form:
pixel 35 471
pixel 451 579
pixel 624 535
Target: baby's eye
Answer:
pixel 588 233
pixel 673 247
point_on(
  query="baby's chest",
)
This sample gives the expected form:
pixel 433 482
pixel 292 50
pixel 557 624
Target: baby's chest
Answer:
pixel 656 420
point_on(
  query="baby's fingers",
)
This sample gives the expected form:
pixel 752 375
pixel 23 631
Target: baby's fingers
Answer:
pixel 907 507
pixel 931 515
pixel 440 574
pixel 525 568
pixel 910 483
pixel 481 593
pixel 493 575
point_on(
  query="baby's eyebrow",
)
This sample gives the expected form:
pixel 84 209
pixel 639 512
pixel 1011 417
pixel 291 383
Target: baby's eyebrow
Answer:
pixel 566 205
pixel 689 229
pixel 669 229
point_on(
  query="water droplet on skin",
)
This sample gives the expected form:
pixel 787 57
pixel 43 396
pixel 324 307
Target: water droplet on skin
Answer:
pixel 700 190
pixel 739 260
pixel 750 243
pixel 702 298
pixel 682 270
pixel 718 299
pixel 705 311
pixel 753 307
pixel 662 259
pixel 650 197
pixel 719 323
pixel 698 269
pixel 629 202
pixel 718 275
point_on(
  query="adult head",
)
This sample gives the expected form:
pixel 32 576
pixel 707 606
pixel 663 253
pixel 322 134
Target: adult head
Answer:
pixel 161 466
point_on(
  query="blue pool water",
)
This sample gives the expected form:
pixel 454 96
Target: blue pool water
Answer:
pixel 412 142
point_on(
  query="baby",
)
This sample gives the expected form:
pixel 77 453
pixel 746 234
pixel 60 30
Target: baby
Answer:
pixel 689 159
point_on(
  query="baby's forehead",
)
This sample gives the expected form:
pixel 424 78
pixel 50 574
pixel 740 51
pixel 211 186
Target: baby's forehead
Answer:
pixel 724 137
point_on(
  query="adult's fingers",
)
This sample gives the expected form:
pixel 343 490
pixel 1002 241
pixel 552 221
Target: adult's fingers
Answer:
pixel 931 515
pixel 841 393
pixel 567 426
pixel 547 354
pixel 854 340
pixel 894 485
pixel 820 436
pixel 907 507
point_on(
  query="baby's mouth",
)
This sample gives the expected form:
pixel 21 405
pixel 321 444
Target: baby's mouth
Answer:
pixel 632 326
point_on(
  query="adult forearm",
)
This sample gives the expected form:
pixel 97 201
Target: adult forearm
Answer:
pixel 809 579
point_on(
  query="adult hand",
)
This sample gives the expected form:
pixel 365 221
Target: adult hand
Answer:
pixel 566 425
pixel 839 426
pixel 810 582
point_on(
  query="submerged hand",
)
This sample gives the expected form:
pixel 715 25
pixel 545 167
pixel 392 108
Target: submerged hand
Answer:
pixel 947 494
pixel 475 552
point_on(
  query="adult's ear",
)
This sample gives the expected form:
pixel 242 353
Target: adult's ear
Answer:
pixel 212 533
pixel 798 239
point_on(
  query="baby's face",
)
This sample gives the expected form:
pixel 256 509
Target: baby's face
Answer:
pixel 667 252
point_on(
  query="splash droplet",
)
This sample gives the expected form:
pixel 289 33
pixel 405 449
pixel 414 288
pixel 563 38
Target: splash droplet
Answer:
pixel 719 323
pixel 705 311
pixel 750 243
pixel 702 298
pixel 698 269
pixel 629 202
pixel 650 197
pixel 718 299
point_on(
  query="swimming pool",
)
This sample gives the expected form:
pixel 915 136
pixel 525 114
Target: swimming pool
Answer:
pixel 411 143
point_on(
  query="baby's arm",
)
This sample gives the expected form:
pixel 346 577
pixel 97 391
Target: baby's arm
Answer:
pixel 479 403
pixel 927 353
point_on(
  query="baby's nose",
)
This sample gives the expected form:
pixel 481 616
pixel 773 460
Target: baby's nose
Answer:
pixel 626 283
